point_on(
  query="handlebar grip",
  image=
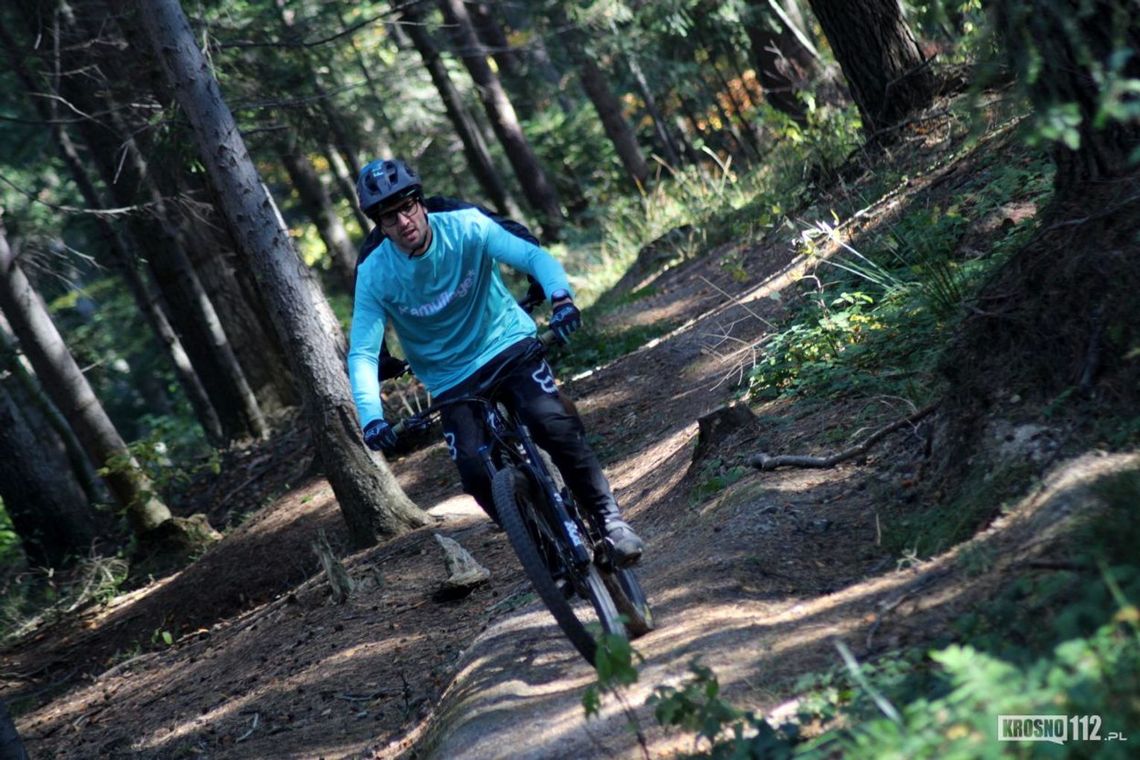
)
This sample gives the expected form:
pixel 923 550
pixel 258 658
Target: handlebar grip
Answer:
pixel 547 338
pixel 400 428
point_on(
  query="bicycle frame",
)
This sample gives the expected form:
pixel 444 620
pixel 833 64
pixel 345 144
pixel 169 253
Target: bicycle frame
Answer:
pixel 510 444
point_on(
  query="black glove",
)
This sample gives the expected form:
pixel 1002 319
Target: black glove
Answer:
pixel 391 367
pixel 565 320
pixel 379 436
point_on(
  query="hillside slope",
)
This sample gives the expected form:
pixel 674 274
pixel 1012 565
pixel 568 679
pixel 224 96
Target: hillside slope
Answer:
pixel 757 574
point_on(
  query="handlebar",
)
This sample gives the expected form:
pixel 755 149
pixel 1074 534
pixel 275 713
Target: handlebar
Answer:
pixel 547 338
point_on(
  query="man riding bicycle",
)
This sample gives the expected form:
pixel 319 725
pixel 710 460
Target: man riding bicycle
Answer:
pixel 435 278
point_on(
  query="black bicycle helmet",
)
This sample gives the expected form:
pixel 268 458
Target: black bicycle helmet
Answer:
pixel 385 181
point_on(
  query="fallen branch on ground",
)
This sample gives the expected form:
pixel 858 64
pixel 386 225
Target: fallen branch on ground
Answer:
pixel 762 461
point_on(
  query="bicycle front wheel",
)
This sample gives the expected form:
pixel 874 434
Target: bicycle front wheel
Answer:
pixel 630 601
pixel 535 544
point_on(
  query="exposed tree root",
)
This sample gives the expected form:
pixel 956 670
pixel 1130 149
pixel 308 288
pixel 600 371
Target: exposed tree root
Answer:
pixel 762 461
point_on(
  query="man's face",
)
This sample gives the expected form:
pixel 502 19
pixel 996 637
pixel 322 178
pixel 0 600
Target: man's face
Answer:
pixel 406 225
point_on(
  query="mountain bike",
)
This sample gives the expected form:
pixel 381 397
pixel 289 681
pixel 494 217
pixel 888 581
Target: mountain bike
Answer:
pixel 562 548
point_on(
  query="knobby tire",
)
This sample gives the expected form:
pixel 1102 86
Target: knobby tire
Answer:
pixel 630 600
pixel 515 504
pixel 622 583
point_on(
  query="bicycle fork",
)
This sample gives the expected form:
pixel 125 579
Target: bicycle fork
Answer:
pixel 554 507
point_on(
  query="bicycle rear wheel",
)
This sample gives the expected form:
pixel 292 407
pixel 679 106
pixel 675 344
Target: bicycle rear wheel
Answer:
pixel 527 531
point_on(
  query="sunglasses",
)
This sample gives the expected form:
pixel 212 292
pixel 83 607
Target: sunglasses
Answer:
pixel 407 208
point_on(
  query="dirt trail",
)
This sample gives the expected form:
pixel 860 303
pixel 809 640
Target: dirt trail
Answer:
pixel 757 576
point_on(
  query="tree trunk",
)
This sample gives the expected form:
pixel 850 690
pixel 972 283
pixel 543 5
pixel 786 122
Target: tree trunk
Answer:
pixel 478 156
pixel 785 63
pixel 346 146
pixel 346 184
pixel 1070 43
pixel 11 746
pixel 668 145
pixel 537 53
pixel 540 192
pixel 54 424
pixel 370 498
pixel 733 114
pixel 68 388
pixel 888 77
pixel 126 174
pixel 124 259
pixel 380 145
pixel 318 207
pixel 490 34
pixel 48 508
pixel 608 106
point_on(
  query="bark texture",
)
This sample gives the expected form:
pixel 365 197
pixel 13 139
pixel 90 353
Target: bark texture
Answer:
pixel 71 393
pixel 370 499
pixel 48 508
pixel 1070 40
pixel 540 192
pixel 888 77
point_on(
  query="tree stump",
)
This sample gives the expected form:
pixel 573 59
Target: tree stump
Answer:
pixel 719 425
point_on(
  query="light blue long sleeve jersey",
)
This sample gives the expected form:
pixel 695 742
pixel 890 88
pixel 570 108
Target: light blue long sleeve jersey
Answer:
pixel 449 307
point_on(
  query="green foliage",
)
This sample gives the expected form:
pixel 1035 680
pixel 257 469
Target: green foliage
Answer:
pixel 899 291
pixel 961 23
pixel 1098 675
pixel 724 730
pixel 10 551
pixel 614 666
pixel 714 478
pixel 1076 61
pixel 1064 642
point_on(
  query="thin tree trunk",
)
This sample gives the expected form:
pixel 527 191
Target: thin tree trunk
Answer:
pixel 741 130
pixel 381 146
pixel 370 498
pixel 81 466
pixel 785 64
pixel 474 147
pixel 668 146
pixel 126 174
pixel 121 252
pixel 48 509
pixel 68 388
pixel 318 207
pixel 540 192
pixel 333 121
pixel 490 33
pixel 346 184
pixel 607 105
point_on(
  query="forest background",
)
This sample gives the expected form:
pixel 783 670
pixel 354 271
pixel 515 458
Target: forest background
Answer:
pixel 179 233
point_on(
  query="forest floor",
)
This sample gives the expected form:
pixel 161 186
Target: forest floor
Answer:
pixel 244 655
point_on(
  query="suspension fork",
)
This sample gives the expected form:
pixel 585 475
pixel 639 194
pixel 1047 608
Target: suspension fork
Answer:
pixel 568 527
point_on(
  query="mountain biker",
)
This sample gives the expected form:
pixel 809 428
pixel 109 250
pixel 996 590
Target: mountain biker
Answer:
pixel 390 366
pixel 435 278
